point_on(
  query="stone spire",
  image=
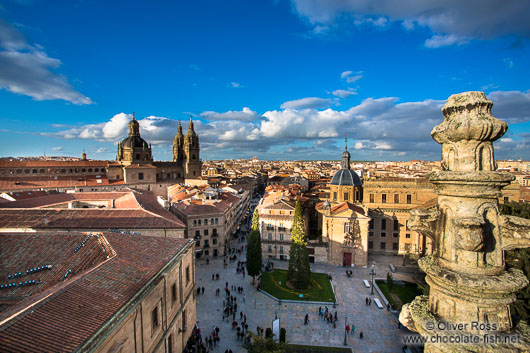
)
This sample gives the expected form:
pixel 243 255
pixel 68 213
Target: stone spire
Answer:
pixel 345 155
pixel 468 280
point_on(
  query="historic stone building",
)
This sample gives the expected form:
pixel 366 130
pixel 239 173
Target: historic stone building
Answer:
pixel 134 166
pixel 344 220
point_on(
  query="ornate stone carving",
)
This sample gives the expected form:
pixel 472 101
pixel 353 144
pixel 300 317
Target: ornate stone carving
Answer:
pixel 467 275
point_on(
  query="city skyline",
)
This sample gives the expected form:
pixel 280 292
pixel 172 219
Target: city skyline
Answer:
pixel 282 80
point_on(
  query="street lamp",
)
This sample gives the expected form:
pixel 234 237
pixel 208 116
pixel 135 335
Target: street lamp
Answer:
pixel 345 324
pixel 372 273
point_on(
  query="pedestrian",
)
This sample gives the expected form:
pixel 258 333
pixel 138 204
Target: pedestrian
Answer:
pixel 213 277
pixel 319 311
pixel 352 329
pixel 198 290
pixel 202 290
pixel 347 329
pixel 361 335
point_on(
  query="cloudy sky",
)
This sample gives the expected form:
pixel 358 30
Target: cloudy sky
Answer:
pixel 278 79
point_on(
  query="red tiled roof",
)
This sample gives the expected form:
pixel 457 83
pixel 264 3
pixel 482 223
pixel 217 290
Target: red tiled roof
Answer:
pixel 38 201
pixel 85 218
pixel 72 311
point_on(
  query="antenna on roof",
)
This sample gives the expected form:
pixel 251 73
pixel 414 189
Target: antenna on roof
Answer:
pixel 345 142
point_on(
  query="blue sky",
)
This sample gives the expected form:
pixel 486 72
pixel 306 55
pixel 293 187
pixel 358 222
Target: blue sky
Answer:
pixel 277 79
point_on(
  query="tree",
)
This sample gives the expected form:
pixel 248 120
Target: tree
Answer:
pixel 389 281
pixel 254 260
pixel 283 334
pixel 520 259
pixel 299 271
pixel 265 345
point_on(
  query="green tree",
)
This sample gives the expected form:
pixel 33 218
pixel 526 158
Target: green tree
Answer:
pixel 389 281
pixel 265 345
pixel 520 259
pixel 254 260
pixel 299 271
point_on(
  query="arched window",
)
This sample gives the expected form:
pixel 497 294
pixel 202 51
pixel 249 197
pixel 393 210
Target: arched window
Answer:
pixel 347 227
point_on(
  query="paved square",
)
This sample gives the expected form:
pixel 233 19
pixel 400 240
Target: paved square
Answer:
pixel 378 326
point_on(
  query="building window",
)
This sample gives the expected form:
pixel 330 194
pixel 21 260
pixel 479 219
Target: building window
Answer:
pixel 396 235
pixel 371 224
pixel 206 221
pixel 370 245
pixel 34 171
pixel 383 234
pixel 270 236
pixel 155 322
pixel 383 198
pixel 206 232
pixel 217 221
pixel 395 246
pixel 334 195
pixel 396 224
pixel 270 248
pixel 347 227
pixel 214 232
pixel 383 223
pixel 383 245
pixel 214 241
pixel 409 198
pixel 199 221
pixel 140 176
pixel 198 243
pixel 281 249
pixel 407 235
pixel 187 274
pixel 195 222
pixel 396 198
pixel 372 198
pixel 346 196
pixel 281 236
pixel 173 293
pixel 211 221
pixel 197 234
pixel 370 234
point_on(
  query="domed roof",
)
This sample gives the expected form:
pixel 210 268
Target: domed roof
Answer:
pixel 133 142
pixel 346 177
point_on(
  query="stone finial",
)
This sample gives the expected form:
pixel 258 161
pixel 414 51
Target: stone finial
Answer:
pixel 467 133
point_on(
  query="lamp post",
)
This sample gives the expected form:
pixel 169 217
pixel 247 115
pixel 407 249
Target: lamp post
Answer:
pixel 372 273
pixel 345 324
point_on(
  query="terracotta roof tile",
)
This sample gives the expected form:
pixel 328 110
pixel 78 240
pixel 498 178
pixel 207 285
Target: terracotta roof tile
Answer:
pixel 78 306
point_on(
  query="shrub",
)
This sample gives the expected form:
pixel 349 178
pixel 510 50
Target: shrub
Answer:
pixel 268 333
pixel 283 333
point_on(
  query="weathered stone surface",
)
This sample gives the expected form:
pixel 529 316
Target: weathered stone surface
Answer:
pixel 466 273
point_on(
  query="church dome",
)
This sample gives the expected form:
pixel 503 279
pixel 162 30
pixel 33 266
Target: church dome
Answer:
pixel 133 142
pixel 346 177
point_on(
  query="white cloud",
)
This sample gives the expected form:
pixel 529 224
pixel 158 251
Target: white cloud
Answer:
pixel 451 21
pixel 57 149
pixel 381 128
pixel 245 115
pixel 26 69
pixel 307 103
pixel 351 77
pixel 342 93
pixel 234 85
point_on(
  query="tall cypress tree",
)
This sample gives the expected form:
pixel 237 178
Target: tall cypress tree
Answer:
pixel 299 271
pixel 254 248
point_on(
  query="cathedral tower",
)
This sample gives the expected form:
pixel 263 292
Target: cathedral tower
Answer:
pixel 192 165
pixel 178 146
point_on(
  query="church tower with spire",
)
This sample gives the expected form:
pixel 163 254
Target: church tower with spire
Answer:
pixel 192 163
pixel 178 146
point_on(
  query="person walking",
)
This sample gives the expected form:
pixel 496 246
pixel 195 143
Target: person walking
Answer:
pixel 348 329
pixel 361 335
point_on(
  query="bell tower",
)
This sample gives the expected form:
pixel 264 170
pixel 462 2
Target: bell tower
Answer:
pixel 178 146
pixel 193 163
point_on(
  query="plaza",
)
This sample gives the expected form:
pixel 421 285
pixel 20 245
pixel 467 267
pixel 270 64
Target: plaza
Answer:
pixel 379 326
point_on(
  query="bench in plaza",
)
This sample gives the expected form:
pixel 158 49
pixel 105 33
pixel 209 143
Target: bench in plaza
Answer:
pixel 378 303
pixel 366 283
pixel 392 268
